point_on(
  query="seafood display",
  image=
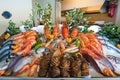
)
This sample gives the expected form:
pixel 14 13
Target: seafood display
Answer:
pixel 56 54
pixel 92 48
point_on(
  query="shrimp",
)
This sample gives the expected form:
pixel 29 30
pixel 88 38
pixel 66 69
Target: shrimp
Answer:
pixel 18 41
pixel 48 43
pixel 33 69
pixel 62 45
pixel 2 72
pixel 90 53
pixel 65 31
pixel 30 32
pixel 94 49
pixel 46 32
pixel 107 71
pixel 24 68
pixel 82 44
pixel 26 50
pixel 92 37
pixel 34 61
pixel 31 37
pixel 15 50
pixel 74 32
pixel 18 36
pixel 94 41
pixel 56 30
pixel 84 38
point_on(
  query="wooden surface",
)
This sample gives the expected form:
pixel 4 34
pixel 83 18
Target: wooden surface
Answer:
pixel 101 17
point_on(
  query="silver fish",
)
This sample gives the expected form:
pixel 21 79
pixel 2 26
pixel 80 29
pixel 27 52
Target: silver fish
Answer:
pixel 105 42
pixel 40 50
pixel 4 55
pixel 71 49
pixel 8 43
pixel 3 65
pixel 11 66
pixel 112 53
pixel 8 40
pixel 25 60
pixel 5 48
pixel 109 51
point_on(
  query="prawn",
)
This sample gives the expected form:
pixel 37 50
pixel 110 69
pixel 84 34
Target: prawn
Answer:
pixel 33 69
pixel 65 31
pixel 46 32
pixel 74 32
pixel 56 30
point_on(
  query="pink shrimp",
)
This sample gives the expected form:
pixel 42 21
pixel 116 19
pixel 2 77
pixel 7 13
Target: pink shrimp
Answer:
pixel 25 68
pixel 15 50
pixel 65 31
pixel 84 38
pixel 62 46
pixel 35 61
pixel 90 53
pixel 18 37
pixel 74 32
pixel 94 49
pixel 25 50
pixel 30 32
pixel 108 72
pixel 21 40
pixel 56 30
pixel 31 37
pixel 33 69
pixel 2 72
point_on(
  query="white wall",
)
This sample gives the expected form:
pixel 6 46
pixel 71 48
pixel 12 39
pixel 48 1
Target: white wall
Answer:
pixel 118 14
pixel 20 10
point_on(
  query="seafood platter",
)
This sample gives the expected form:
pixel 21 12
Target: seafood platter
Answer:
pixel 59 53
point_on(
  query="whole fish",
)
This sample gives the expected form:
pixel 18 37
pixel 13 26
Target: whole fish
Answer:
pixel 102 66
pixel 105 41
pixel 8 40
pixel 11 66
pixel 115 61
pixel 111 52
pixel 40 50
pixel 3 65
pixel 6 44
pixel 5 48
pixel 23 61
pixel 4 55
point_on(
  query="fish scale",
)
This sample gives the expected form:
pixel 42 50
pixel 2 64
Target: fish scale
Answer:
pixel 4 49
pixel 5 55
pixel 9 39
